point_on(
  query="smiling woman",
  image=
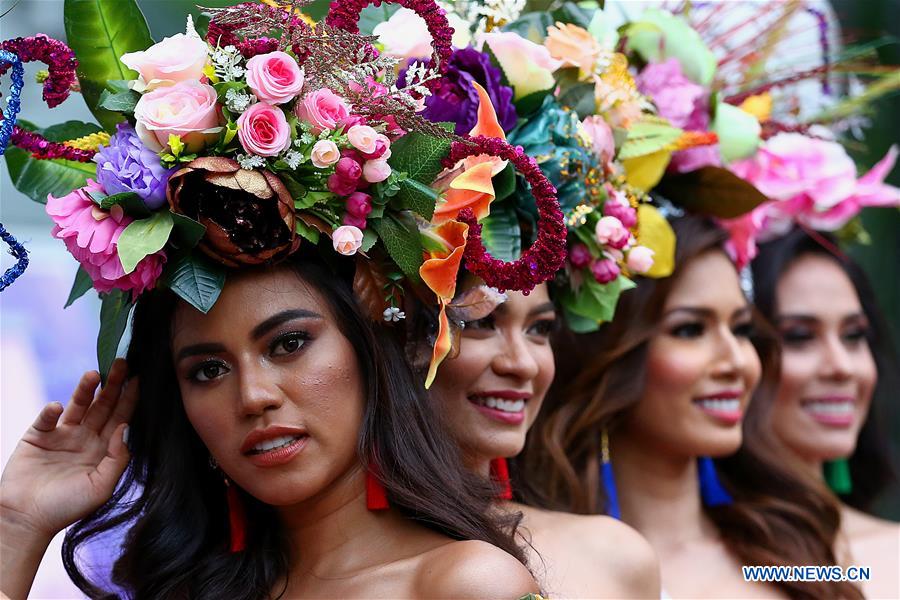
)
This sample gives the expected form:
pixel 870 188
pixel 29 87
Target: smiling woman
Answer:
pixel 253 429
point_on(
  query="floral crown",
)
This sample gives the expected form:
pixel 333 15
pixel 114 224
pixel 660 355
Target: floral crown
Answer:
pixel 268 132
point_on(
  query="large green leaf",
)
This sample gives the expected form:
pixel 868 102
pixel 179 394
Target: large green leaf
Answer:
pixel 114 309
pixel 419 156
pixel 143 237
pixel 100 32
pixel 646 137
pixel 594 301
pixel 195 279
pixel 401 239
pixel 712 191
pixel 37 178
pixel 80 286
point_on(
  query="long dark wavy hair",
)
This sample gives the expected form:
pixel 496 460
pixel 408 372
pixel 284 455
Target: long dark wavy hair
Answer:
pixel 173 503
pixel 778 517
pixel 871 467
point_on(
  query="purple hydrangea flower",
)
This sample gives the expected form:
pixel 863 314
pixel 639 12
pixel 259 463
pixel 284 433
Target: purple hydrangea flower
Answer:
pixel 126 165
pixel 454 99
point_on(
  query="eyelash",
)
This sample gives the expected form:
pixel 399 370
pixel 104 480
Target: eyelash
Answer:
pixel 799 336
pixel 201 368
pixel 696 329
pixel 541 327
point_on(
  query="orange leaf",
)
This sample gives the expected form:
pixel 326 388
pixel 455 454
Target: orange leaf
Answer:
pixel 471 189
pixel 439 271
pixel 487 124
pixel 441 345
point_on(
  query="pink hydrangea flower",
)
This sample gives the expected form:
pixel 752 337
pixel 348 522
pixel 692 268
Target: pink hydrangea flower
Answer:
pixel 90 235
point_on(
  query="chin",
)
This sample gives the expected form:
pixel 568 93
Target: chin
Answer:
pixel 720 444
pixel 505 445
pixel 831 446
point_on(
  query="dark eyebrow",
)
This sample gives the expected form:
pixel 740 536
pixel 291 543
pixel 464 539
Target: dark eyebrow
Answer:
pixel 279 318
pixel 258 331
pixel 545 307
pixel 694 310
pixel 743 311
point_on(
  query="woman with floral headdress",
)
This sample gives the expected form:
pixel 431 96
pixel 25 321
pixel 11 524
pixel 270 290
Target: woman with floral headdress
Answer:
pixel 266 435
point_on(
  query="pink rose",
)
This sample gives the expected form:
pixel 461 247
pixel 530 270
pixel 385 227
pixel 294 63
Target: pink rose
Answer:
pixel 186 109
pixel 579 256
pixel 354 221
pixel 90 235
pixel 640 259
pixel 263 130
pixel 610 232
pixel 617 206
pixel 601 136
pixel 323 109
pixel 348 168
pixel 404 35
pixel 359 204
pixel 363 138
pixel 177 58
pixel 376 170
pixel 347 239
pixel 275 77
pixel 605 270
pixel 382 148
pixel 324 154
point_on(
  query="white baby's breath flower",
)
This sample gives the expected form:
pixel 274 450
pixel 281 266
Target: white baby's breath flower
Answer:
pixel 250 161
pixel 293 158
pixel 393 314
pixel 236 101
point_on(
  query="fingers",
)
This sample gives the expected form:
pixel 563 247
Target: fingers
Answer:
pixel 100 410
pixel 111 467
pixel 124 408
pixel 48 417
pixel 81 398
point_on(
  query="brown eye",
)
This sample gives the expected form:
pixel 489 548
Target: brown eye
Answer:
pixel 288 343
pixel 207 371
pixel 796 336
pixel 688 330
pixel 744 330
pixel 543 327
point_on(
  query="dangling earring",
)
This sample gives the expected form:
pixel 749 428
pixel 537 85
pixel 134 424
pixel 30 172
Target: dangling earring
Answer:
pixel 500 476
pixel 608 479
pixel 237 519
pixel 376 495
pixel 837 476
pixel 711 490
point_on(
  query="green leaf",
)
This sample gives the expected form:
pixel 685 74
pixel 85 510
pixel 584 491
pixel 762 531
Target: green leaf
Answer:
pixel 100 32
pixel 123 102
pixel 130 202
pixel 531 26
pixel 580 98
pixel 186 232
pixel 529 104
pixel 738 131
pixel 401 240
pixel 369 239
pixel 711 191
pixel 501 233
pixel 419 156
pixel 143 237
pixel 646 137
pixel 306 232
pixel 417 197
pixel 114 309
pixel 195 279
pixel 80 286
pixel 660 35
pixel 595 301
pixel 504 183
pixel 37 178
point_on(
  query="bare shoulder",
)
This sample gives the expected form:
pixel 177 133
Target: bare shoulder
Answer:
pixel 472 569
pixel 620 559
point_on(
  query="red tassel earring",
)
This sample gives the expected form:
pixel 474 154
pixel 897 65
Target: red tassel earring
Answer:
pixel 237 519
pixel 376 495
pixel 500 476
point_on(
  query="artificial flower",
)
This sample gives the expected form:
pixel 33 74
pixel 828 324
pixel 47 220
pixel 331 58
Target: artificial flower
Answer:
pixel 186 109
pixel 274 77
pixel 177 58
pixel 127 165
pixel 263 130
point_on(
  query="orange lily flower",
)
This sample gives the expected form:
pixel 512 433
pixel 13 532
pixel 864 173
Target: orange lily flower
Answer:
pixel 439 272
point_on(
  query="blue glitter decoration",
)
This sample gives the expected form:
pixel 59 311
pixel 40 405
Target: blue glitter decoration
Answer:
pixel 13 103
pixel 19 252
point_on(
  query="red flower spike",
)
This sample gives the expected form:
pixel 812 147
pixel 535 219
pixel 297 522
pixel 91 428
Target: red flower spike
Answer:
pixel 548 252
pixel 344 14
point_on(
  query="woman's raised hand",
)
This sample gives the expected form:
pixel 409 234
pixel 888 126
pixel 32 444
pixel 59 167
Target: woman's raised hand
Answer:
pixel 68 462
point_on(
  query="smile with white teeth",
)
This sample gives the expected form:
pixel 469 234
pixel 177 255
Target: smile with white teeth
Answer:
pixel 720 404
pixel 510 406
pixel 274 444
pixel 829 408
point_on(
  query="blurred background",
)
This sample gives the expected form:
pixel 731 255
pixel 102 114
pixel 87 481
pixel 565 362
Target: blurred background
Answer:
pixel 44 348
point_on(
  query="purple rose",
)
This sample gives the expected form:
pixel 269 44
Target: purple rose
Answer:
pixel 456 100
pixel 127 165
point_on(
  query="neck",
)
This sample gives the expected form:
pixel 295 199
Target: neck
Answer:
pixel 659 494
pixel 479 464
pixel 333 533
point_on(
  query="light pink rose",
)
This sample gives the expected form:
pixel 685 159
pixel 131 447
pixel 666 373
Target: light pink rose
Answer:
pixel 90 234
pixel 323 109
pixel 264 130
pixel 177 58
pixel 601 135
pixel 376 170
pixel 363 138
pixel 528 66
pixel 404 35
pixel 187 109
pixel 275 77
pixel 347 239
pixel 640 259
pixel 610 232
pixel 325 153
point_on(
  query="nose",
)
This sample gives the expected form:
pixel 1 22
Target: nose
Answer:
pixel 731 355
pixel 259 391
pixel 515 358
pixel 837 364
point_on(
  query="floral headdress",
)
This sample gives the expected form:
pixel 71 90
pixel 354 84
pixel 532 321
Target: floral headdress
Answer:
pixel 268 132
